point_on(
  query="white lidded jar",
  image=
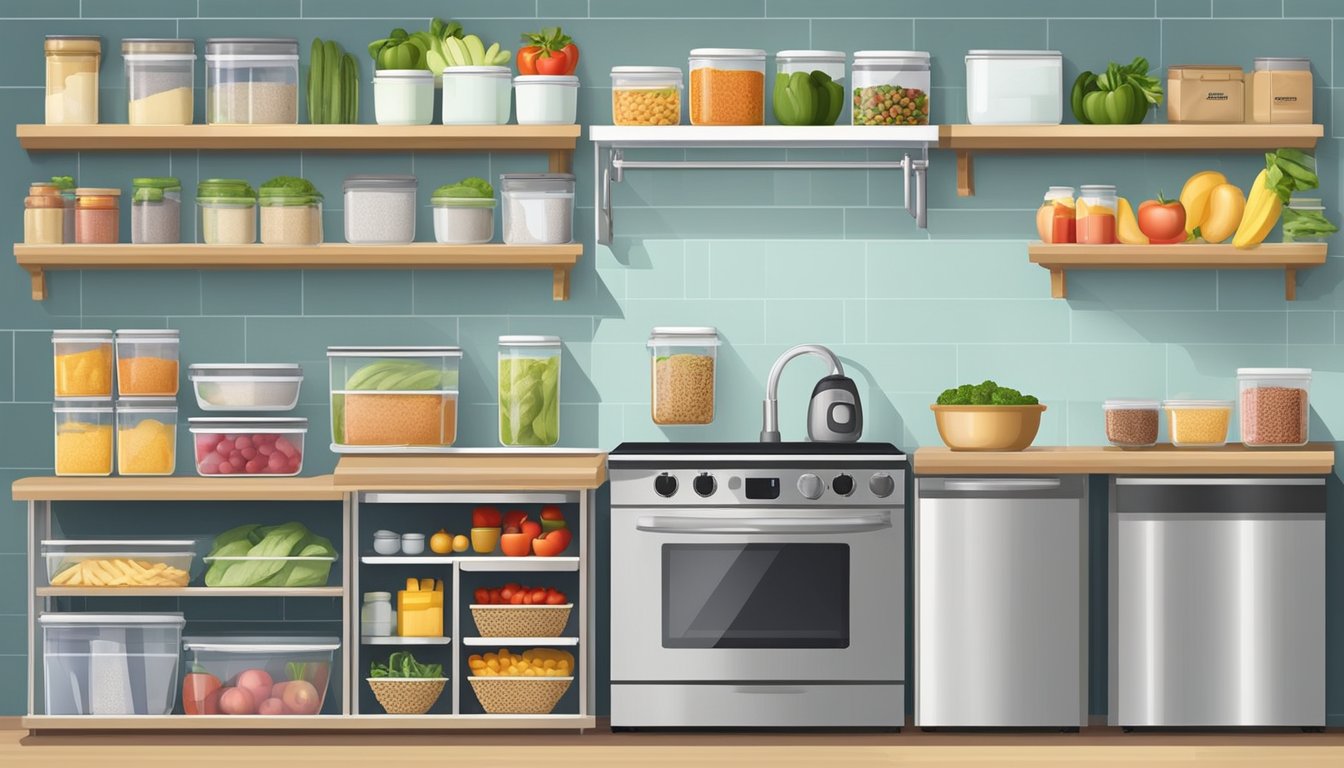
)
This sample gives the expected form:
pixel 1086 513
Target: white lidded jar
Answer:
pixel 380 209
pixel 683 374
pixel 252 80
pixel 1014 87
pixel 538 208
pixel 476 95
pixel 375 617
pixel 646 95
pixel 403 97
pixel 547 99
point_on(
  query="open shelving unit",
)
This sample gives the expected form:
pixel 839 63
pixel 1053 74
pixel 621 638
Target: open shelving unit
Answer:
pixel 136 592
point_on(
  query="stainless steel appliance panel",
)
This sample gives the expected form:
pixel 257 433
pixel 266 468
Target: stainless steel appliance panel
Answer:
pixel 783 705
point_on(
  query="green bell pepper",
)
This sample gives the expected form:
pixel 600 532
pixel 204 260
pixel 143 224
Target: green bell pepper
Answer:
pixel 1119 104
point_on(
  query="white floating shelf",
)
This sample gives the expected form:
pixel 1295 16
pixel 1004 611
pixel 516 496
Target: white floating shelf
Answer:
pixel 497 564
pixel 500 642
pixel 406 559
pixel 395 640
pixel 764 136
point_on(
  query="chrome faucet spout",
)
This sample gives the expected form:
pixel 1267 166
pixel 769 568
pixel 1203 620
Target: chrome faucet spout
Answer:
pixel 770 416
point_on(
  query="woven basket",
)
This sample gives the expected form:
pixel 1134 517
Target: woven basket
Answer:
pixel 407 695
pixel 521 620
pixel 519 695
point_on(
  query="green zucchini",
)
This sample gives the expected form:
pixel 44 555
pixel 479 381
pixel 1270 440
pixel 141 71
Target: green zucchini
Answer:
pixel 332 83
pixel 315 82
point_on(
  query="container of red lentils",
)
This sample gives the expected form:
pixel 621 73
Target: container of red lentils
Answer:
pixel 97 215
pixel 1274 406
pixel 727 86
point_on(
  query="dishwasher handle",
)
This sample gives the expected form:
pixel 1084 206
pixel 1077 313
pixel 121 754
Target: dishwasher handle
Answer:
pixel 1001 485
pixel 768 525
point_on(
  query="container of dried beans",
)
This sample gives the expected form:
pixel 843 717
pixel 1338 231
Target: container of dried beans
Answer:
pixel 683 375
pixel 1131 423
pixel 1274 405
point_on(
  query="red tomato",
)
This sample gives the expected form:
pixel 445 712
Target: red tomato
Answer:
pixel 484 517
pixel 527 59
pixel 553 63
pixel 551 513
pixel 514 518
pixel 496 596
pixel 517 598
pixel 515 545
pixel 482 596
pixel 1163 221
pixel 506 593
pixel 538 596
pixel 571 52
pixel 556 598
pixel 531 528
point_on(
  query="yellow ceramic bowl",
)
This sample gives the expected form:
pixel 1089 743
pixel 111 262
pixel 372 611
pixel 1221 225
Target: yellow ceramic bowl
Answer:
pixel 988 427
pixel 484 540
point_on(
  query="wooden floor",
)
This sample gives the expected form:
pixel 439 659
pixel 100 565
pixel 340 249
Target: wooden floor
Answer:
pixel 1097 746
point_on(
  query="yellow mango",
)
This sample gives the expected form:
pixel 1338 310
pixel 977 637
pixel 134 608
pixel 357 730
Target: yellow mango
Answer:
pixel 1195 197
pixel 1226 206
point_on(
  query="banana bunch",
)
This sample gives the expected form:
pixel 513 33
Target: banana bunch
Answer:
pixel 395 376
pixel 120 572
pixel 1286 171
pixel 468 51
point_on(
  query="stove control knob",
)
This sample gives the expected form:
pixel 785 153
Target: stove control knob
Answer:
pixel 881 485
pixel 843 484
pixel 809 485
pixel 665 485
pixel 704 484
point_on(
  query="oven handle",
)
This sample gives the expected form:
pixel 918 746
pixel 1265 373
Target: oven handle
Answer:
pixel 782 525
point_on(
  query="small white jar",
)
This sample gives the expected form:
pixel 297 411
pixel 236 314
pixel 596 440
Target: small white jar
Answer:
pixel 386 542
pixel 412 543
pixel 476 95
pixel 375 618
pixel 547 99
pixel 403 97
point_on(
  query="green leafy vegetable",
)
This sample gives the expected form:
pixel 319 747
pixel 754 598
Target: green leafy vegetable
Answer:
pixel 1121 95
pixel 472 186
pixel 985 393
pixel 403 664
pixel 289 185
pixel 288 540
pixel 1305 225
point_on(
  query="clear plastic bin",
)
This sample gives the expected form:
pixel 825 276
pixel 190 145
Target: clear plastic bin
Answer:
pixel 394 396
pixel 727 86
pixel 809 87
pixel 646 95
pixel 248 446
pixel 159 74
pixel 83 437
pixel 1198 423
pixel 538 208
pixel 476 95
pixel 156 210
pixel 110 663
pixel 246 386
pixel 463 219
pixel 228 212
pixel 547 99
pixel 683 374
pixel 1275 405
pixel 403 97
pixel 290 219
pixel 147 362
pixel 1131 423
pixel 891 88
pixel 251 80
pixel 146 436
pixel 82 361
pixel 1014 87
pixel 380 209
pixel 529 390
pixel 261 675
pixel 96 563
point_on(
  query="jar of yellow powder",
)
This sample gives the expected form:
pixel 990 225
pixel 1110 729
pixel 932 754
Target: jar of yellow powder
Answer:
pixel 83 363
pixel 72 79
pixel 147 362
pixel 146 436
pixel 83 437
pixel 159 80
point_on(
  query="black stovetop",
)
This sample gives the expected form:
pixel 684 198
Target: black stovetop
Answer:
pixel 756 449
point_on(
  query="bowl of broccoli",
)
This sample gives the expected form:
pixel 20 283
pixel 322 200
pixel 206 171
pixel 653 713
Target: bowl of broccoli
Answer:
pixel 987 417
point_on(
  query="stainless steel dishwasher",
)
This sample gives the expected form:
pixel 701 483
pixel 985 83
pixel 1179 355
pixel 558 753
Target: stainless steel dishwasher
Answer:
pixel 1000 602
pixel 1217 601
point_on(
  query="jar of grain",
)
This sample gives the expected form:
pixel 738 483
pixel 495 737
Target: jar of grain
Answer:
pixel 529 390
pixel 380 209
pixel 727 86
pixel 159 76
pixel 147 362
pixel 82 363
pixel 538 208
pixel 1279 91
pixel 1131 423
pixel 394 396
pixel 646 95
pixel 1274 405
pixel 891 88
pixel 146 436
pixel 72 79
pixel 156 210
pixel 228 212
pixel 1198 423
pixel 83 437
pixel 252 80
pixel 66 184
pixel 290 219
pixel 682 379
pixel 97 215
pixel 43 219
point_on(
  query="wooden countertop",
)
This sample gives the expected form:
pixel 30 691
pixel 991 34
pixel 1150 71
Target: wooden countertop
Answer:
pixel 468 471
pixel 1164 459
pixel 318 488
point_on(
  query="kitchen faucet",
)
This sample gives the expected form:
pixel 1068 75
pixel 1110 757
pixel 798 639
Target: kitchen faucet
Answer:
pixel 770 425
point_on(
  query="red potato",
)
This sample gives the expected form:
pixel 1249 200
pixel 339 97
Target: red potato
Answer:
pixel 301 698
pixel 236 701
pixel 257 682
pixel 271 707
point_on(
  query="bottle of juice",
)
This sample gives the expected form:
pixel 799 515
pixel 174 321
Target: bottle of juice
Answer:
pixel 1055 219
pixel 1096 214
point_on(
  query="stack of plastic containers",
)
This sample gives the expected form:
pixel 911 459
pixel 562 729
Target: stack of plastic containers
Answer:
pixel 268 446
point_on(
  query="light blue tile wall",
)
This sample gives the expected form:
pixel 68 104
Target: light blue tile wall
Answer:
pixel 771 258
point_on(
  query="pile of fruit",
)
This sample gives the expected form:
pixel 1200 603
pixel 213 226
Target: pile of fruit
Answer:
pixel 518 536
pixel 538 662
pixel 515 594
pixel 251 454
pixel 254 692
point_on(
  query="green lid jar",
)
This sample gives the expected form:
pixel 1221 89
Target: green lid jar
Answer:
pixel 228 212
pixel 153 189
pixel 291 212
pixel 236 191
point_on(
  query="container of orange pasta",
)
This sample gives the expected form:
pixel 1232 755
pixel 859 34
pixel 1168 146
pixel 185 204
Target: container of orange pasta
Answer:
pixel 147 362
pixel 83 363
pixel 727 86
pixel 83 437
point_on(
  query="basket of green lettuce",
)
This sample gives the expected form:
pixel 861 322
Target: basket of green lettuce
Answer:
pixel 287 555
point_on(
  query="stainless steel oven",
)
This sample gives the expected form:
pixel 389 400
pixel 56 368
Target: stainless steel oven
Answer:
pixel 757 589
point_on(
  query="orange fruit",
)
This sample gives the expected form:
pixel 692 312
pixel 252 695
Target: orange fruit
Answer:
pixel 441 543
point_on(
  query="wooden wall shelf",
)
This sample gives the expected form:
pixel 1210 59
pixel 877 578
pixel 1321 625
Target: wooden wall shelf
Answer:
pixel 1289 257
pixel 1165 459
pixel 966 140
pixel 140 592
pixel 234 723
pixel 524 473
pixel 560 259
pixel 318 488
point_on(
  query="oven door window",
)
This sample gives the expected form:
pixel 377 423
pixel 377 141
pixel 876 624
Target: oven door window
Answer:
pixel 755 596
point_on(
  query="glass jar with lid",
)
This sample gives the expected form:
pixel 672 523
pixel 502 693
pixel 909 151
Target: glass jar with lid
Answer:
pixel 727 86
pixel 159 74
pixel 646 95
pixel 1056 220
pixel 891 88
pixel 156 210
pixel 538 208
pixel 809 87
pixel 146 436
pixel 66 185
pixel 43 215
pixel 290 215
pixel 83 437
pixel 1095 214
pixel 72 79
pixel 529 390
pixel 228 212
pixel 380 208
pixel 252 80
pixel 683 374
pixel 97 215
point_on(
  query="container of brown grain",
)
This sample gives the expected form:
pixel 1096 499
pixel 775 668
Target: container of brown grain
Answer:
pixel 682 378
pixel 393 397
pixel 1274 405
pixel 1131 423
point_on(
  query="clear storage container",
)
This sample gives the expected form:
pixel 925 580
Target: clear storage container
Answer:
pixel 403 97
pixel 547 99
pixel 727 86
pixel 83 437
pixel 97 215
pixel 251 80
pixel 43 215
pixel 1198 423
pixel 228 212
pixel 111 563
pixel 646 95
pixel 259 571
pixel 156 210
pixel 72 79
pixel 1275 407
pixel 159 80
pixel 82 360
pixel 66 184
pixel 529 390
pixel 891 88
pixel 1131 423
pixel 538 208
pixel 147 362
pixel 1014 87
pixel 1094 215
pixel 146 436
pixel 809 87
pixel 262 675
pixel 398 397
pixel 380 209
pixel 463 219
pixel 110 663
pixel 246 386
pixel 1057 218
pixel 290 219
pixel 1300 210
pixel 476 95
pixel 682 377
pixel 271 446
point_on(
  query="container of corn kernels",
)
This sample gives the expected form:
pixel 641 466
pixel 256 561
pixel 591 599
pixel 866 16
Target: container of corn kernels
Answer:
pixel 646 95
pixel 1198 423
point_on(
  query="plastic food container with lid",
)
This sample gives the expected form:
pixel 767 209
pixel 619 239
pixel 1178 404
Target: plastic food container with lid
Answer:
pixel 463 219
pixel 83 437
pixel 380 209
pixel 263 675
pixel 1014 87
pixel 393 397
pixel 110 663
pixel 1131 423
pixel 288 218
pixel 808 87
pixel 251 80
pixel 43 215
pixel 147 362
pixel 403 97
pixel 271 446
pixel 159 80
pixel 547 99
pixel 1056 219
pixel 97 215
pixel 1275 406
pixel 246 386
pixel 1094 215
pixel 529 390
pixel 265 571
pixel 1298 208
pixel 156 210
pixel 538 208
pixel 1279 91
pixel 386 542
pixel 66 185
pixel 727 86
pixel 118 564
pixel 228 212
pixel 646 95
pixel 146 436
pixel 1198 423
pixel 83 362
pixel 476 95
pixel 72 79
pixel 682 377
pixel 891 88
pixel 375 617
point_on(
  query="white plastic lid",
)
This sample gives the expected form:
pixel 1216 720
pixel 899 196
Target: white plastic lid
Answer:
pixel 65 619
pixel 1281 64
pixel 568 81
pixel 813 55
pixel 118 542
pixel 379 181
pixel 412 536
pixel 684 335
pixel 220 424
pixel 1274 373
pixel 727 53
pixel 990 53
pixel 146 405
pixel 81 405
pixel 1196 404
pixel 1306 203
pixel 386 534
pixel 1097 188
pixel 82 336
pixel 1130 405
pixel 373 597
pixel 486 71
pixel 254 644
pixel 213 371
pixel 890 55
pixel 529 341
pixel 646 71
pixel 402 74
pixel 159 335
pixel 394 351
